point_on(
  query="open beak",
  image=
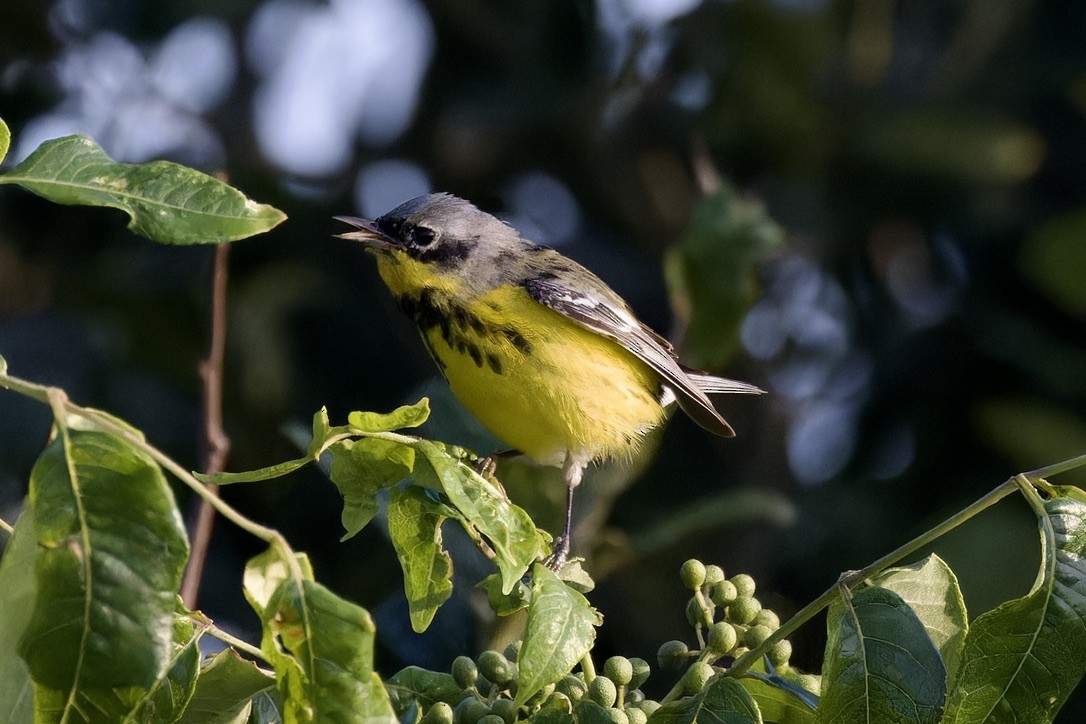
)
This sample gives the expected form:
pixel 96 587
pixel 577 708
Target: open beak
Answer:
pixel 367 233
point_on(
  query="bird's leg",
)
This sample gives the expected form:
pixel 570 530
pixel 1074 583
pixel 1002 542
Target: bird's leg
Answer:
pixel 489 465
pixel 572 472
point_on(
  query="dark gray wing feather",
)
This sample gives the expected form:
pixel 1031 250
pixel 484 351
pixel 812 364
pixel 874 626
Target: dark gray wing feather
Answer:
pixel 594 305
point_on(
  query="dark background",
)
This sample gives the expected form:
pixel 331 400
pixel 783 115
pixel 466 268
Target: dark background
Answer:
pixel 919 324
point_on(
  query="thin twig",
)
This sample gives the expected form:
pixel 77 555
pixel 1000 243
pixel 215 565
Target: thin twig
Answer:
pixel 237 643
pixel 6 526
pixel 215 443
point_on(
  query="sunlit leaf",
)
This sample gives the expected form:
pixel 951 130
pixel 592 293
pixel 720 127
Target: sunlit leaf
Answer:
pixel 508 529
pixel 112 550
pixel 880 664
pixel 5 142
pixel 167 202
pixel 405 416
pixel 320 645
pixel 253 476
pixel 415 684
pixel 560 630
pixel 1022 660
pixel 414 524
pixel 724 701
pixel 505 604
pixel 361 468
pixel 931 590
pixel 225 689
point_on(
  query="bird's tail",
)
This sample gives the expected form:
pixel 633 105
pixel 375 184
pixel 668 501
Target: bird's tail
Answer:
pixel 713 385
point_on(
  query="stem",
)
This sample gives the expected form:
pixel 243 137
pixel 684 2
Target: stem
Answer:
pixel 236 642
pixel 215 443
pixel 1055 469
pixel 588 668
pixel 853 578
pixel 6 526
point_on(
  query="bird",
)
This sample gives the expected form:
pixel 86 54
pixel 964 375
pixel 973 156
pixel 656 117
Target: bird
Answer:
pixel 538 348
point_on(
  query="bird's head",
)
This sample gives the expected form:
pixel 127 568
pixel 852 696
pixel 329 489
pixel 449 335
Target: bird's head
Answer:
pixel 440 230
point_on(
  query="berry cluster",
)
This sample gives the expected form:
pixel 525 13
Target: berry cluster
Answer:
pixel 728 622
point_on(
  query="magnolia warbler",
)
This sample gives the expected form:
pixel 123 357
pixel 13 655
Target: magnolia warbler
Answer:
pixel 538 348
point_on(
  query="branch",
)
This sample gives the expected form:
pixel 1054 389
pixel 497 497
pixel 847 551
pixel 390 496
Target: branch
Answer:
pixel 214 442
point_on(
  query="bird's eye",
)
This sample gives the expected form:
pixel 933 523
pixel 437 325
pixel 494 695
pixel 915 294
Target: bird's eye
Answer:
pixel 422 236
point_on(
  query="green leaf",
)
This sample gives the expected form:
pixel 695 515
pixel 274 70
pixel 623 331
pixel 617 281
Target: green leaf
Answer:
pixel 401 417
pixel 18 590
pixel 586 711
pixel 506 604
pixel 361 468
pixel 5 143
pixel 724 701
pixel 510 531
pixel 167 202
pixel 778 704
pixel 559 632
pixel 164 702
pixel 426 688
pixel 780 697
pixel 112 549
pixel 1022 659
pixel 414 524
pixel 931 590
pixel 711 275
pixel 253 476
pixel 1054 260
pixel 880 664
pixel 320 645
pixel 225 689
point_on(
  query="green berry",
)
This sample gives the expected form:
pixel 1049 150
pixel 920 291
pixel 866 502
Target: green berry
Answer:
pixel 636 716
pixel 744 609
pixel 713 576
pixel 440 713
pixel 512 651
pixel 755 635
pixel 491 719
pixel 695 614
pixel 810 682
pixel 496 667
pixel 723 592
pixel 649 706
pixel 558 700
pixel 619 670
pixel 618 716
pixel 571 686
pixel 470 711
pixel 692 574
pixel 633 696
pixel 696 677
pixel 464 672
pixel 766 617
pixel 672 655
pixel 780 652
pixel 722 637
pixel 505 708
pixel 603 691
pixel 641 672
pixel 744 584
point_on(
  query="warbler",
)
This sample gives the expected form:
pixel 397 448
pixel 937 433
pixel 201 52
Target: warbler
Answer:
pixel 538 348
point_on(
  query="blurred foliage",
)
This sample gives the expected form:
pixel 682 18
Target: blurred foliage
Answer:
pixel 924 313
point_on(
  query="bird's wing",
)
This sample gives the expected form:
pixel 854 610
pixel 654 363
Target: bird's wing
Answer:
pixel 594 305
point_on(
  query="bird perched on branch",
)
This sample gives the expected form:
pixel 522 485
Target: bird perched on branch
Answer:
pixel 538 348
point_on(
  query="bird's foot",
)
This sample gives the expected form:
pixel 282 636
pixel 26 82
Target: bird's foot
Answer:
pixel 558 555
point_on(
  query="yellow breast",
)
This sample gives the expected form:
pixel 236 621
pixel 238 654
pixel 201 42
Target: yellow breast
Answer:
pixel 543 384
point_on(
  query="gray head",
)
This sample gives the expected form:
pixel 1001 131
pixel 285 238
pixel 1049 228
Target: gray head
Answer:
pixel 441 229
